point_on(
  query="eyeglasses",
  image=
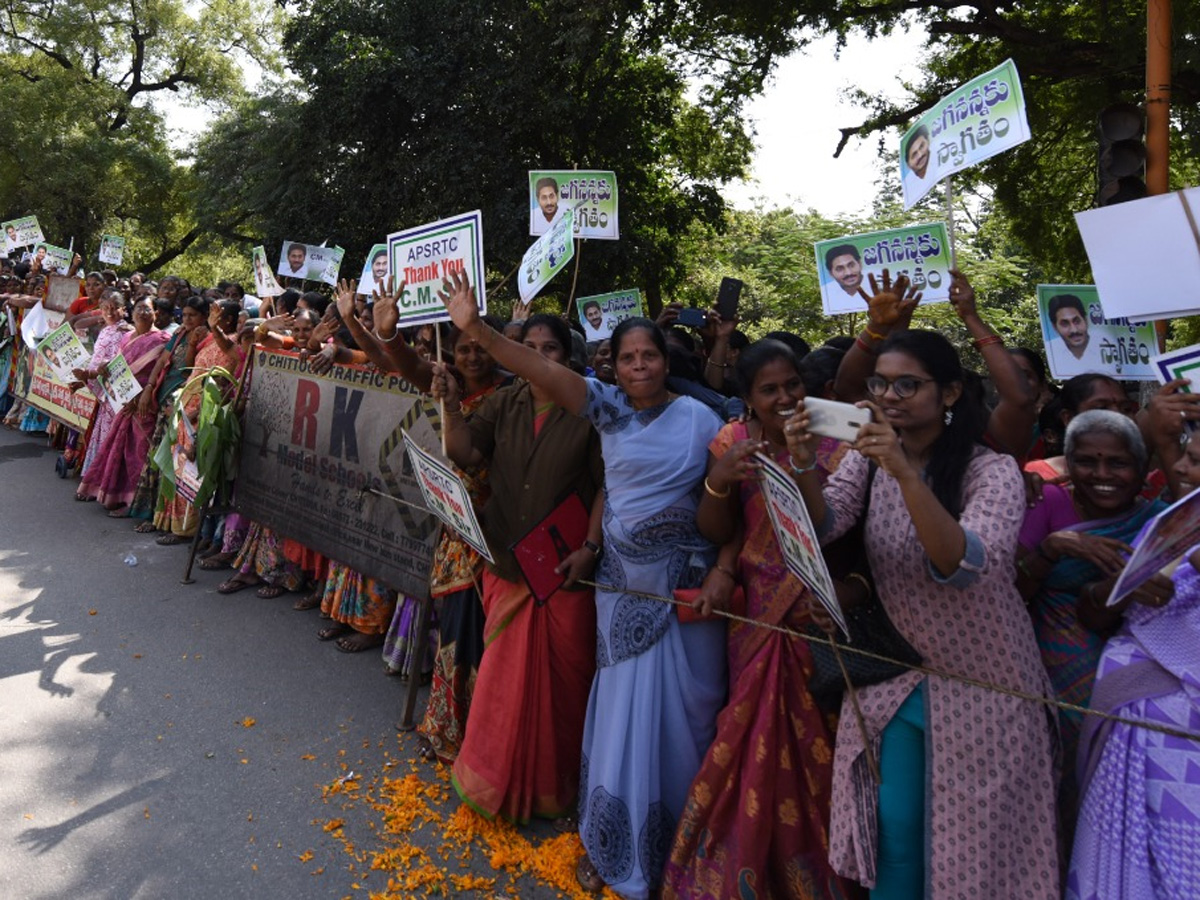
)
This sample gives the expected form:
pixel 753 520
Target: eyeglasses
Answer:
pixel 905 386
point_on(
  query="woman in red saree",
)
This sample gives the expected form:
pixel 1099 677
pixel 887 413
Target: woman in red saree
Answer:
pixel 756 821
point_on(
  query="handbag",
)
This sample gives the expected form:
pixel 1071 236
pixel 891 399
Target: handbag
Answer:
pixel 870 629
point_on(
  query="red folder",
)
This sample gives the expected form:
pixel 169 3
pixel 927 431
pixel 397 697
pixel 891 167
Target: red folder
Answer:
pixel 548 543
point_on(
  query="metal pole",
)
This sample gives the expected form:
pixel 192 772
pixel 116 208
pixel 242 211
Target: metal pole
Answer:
pixel 1158 110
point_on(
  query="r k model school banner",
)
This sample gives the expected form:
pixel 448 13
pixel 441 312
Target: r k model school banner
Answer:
pixel 322 456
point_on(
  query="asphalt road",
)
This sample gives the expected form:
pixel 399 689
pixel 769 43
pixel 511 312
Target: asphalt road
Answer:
pixel 128 764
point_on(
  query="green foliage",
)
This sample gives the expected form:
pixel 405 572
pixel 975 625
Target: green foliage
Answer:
pixel 1075 59
pixel 88 152
pixel 417 110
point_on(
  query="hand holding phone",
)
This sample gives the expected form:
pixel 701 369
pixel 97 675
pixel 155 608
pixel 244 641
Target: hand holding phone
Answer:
pixel 840 421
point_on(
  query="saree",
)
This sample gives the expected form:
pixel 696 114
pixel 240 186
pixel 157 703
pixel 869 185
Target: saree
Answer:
pixel 652 711
pixel 402 644
pixel 177 515
pixel 519 755
pixel 1069 651
pixel 113 476
pixel 1140 813
pixel 141 506
pixel 454 585
pixel 351 598
pixel 108 344
pixel 757 814
pixel 262 554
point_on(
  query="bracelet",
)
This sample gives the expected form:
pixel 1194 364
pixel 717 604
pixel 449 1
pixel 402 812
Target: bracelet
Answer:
pixel 591 545
pixel 724 571
pixel 800 470
pixel 875 335
pixel 980 343
pixel 865 347
pixel 384 340
pixel 708 489
pixel 710 362
pixel 457 411
pixel 862 579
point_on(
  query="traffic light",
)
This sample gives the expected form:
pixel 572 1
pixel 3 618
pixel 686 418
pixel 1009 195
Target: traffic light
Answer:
pixel 1121 169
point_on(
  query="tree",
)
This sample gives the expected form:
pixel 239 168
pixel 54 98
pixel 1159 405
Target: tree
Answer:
pixel 86 150
pixel 417 110
pixel 1074 59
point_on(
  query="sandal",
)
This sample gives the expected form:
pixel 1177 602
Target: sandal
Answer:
pixel 171 540
pixel 233 585
pixel 121 512
pixel 337 629
pixel 270 591
pixel 145 528
pixel 312 601
pixel 84 498
pixel 212 563
pixel 587 876
pixel 358 642
pixel 425 751
pixel 568 824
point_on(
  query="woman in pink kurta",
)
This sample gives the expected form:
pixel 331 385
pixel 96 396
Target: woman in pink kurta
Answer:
pixel 108 344
pixel 978 816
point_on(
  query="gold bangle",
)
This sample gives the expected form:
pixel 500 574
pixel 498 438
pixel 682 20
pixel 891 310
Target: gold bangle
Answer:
pixel 724 571
pixel 708 489
pixel 875 335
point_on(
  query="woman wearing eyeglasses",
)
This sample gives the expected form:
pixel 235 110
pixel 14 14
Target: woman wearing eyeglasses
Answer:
pixel 966 807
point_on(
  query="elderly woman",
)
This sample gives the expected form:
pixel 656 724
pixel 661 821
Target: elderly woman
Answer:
pixel 1140 789
pixel 1076 535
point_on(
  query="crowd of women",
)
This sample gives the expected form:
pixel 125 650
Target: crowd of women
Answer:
pixel 986 517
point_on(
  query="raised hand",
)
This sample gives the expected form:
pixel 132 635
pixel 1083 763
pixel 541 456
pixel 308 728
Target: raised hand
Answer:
pixel 458 297
pixel 962 295
pixel 890 305
pixel 344 297
pixel 387 311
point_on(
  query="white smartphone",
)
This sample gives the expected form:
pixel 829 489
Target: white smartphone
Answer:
pixel 840 421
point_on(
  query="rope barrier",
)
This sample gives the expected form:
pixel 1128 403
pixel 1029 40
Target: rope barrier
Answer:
pixel 929 671
pixel 923 669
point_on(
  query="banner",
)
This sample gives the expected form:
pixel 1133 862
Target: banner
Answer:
pixel 323 462
pixel 422 257
pixel 797 538
pixel 979 120
pixel 309 262
pixel 38 384
pixel 51 258
pixel 112 249
pixel 601 313
pixel 1144 255
pixel 63 352
pixel 1079 339
pixel 265 284
pixel 446 496
pixel 1166 537
pixel 120 386
pixel 375 270
pixel 592 195
pixel 922 252
pixel 546 257
pixel 21 232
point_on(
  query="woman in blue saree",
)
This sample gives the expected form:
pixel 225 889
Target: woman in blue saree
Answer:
pixel 659 685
